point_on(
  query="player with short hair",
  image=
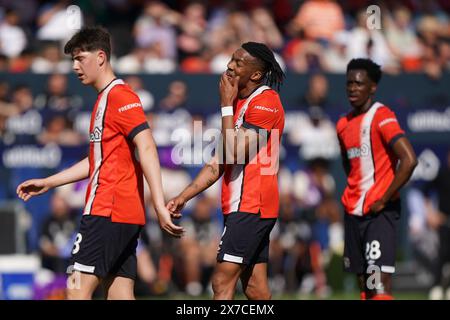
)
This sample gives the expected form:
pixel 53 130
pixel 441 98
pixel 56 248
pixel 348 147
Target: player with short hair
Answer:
pixel 378 160
pixel 104 251
pixel 252 125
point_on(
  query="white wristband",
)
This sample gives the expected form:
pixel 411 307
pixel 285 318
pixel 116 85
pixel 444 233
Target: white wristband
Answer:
pixel 227 111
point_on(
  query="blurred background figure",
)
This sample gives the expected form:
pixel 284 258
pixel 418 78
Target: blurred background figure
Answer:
pixel 58 234
pixel 26 123
pixel 198 247
pixel 12 38
pixel 439 212
pixel 146 97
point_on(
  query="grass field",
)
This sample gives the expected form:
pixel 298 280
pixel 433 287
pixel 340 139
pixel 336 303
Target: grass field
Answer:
pixel 335 296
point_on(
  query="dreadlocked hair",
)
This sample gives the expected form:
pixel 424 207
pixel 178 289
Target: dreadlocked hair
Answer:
pixel 273 73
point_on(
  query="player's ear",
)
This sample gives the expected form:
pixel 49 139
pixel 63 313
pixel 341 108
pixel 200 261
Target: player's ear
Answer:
pixel 256 76
pixel 101 58
pixel 373 88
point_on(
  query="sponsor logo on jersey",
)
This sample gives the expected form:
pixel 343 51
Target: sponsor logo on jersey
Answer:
pixel 129 106
pixel 363 151
pixel 274 110
pixel 386 121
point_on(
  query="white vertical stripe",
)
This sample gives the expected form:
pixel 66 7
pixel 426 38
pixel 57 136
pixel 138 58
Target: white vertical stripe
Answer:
pixel 98 124
pixel 366 160
pixel 236 181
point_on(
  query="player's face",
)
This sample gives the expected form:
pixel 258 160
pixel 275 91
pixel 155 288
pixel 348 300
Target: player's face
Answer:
pixel 242 64
pixel 85 65
pixel 359 88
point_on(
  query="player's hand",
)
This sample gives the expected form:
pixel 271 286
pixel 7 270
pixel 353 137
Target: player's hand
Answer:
pixel 377 206
pixel 175 206
pixel 228 90
pixel 166 223
pixel 31 188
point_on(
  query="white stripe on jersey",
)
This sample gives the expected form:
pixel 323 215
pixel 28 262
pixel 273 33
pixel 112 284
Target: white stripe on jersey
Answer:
pixel 98 157
pixel 366 159
pixel 236 180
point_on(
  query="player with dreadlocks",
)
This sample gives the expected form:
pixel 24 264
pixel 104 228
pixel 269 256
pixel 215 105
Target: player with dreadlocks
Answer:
pixel 252 125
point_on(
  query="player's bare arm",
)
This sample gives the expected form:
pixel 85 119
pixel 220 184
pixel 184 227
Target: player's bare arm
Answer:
pixel 35 187
pixel 150 166
pixel 237 144
pixel 209 174
pixel 403 150
pixel 344 159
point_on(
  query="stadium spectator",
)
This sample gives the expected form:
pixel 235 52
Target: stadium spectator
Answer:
pixel 7 109
pixel 316 94
pixel 317 139
pixel 319 19
pixel 27 123
pixel 402 39
pixel 58 130
pixel 58 235
pixel 372 44
pixel 156 61
pixel 157 25
pixel 222 55
pixel 57 99
pixel 50 60
pixel 422 223
pixel 52 22
pixel 198 247
pixel 23 62
pixel 264 28
pixel 147 275
pixel 289 255
pixel 146 97
pixel 172 114
pixel 432 34
pixel 133 62
pixel 191 31
pixel 12 38
pixel 441 213
pixel 336 56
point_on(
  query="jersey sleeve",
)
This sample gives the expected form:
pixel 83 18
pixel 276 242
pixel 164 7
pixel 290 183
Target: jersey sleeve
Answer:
pixel 263 113
pixel 388 126
pixel 127 112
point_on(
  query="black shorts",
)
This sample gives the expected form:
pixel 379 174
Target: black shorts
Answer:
pixel 105 248
pixel 371 240
pixel 245 238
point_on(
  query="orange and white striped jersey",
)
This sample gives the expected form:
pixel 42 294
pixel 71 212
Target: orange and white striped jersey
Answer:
pixel 253 187
pixel 366 140
pixel 115 176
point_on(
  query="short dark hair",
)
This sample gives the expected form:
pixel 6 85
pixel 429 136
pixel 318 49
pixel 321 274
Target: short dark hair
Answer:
pixel 90 39
pixel 273 73
pixel 373 70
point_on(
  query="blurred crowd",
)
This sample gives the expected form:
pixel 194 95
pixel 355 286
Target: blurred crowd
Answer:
pixel 307 242
pixel 313 37
pixel 199 36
